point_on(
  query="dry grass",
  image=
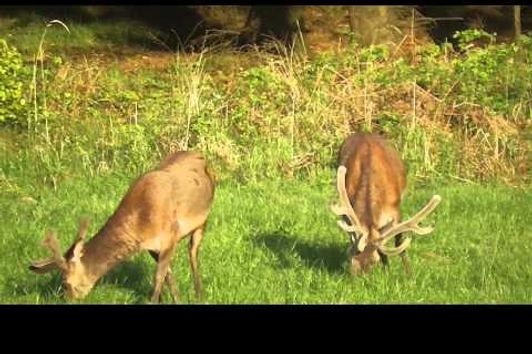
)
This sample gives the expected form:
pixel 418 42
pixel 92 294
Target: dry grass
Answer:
pixel 269 111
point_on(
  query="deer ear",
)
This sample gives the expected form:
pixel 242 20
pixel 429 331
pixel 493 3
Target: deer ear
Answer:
pixel 44 266
pixel 77 251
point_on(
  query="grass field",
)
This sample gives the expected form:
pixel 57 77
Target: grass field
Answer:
pixel 277 242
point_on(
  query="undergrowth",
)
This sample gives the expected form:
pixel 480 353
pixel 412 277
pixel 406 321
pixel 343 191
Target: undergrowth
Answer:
pixel 453 113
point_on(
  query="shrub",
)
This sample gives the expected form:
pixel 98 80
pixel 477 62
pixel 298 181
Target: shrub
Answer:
pixel 12 76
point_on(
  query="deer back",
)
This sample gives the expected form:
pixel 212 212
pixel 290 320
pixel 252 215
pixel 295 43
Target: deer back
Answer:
pixel 180 189
pixel 375 177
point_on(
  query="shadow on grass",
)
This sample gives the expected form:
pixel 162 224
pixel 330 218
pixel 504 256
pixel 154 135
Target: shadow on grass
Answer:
pixel 132 275
pixel 315 255
pixel 138 277
pixel 168 22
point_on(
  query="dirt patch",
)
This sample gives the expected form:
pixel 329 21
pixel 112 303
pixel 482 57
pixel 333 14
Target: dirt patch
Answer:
pixel 324 30
pixel 148 61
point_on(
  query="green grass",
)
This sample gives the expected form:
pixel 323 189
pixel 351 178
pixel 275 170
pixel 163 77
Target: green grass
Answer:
pixel 277 242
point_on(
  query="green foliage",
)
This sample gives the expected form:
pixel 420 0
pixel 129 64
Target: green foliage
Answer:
pixel 494 76
pixel 434 73
pixel 261 88
pixel 466 37
pixel 12 80
pixel 374 53
pixel 284 116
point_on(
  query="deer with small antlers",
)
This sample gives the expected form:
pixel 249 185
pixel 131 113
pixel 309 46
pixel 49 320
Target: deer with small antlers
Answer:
pixel 371 181
pixel 161 208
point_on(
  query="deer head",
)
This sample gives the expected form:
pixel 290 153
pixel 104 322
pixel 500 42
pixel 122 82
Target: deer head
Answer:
pixel 77 283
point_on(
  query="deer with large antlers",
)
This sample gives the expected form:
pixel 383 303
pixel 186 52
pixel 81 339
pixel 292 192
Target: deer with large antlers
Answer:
pixel 371 181
pixel 160 209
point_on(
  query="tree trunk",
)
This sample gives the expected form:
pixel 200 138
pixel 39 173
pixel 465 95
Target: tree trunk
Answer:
pixel 517 21
pixel 352 18
pixel 279 22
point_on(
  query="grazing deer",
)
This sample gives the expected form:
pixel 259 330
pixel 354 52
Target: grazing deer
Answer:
pixel 371 180
pixel 161 208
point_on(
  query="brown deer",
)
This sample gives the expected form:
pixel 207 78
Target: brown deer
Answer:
pixel 371 181
pixel 161 208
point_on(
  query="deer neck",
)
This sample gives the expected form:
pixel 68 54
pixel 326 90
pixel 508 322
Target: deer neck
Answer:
pixel 108 248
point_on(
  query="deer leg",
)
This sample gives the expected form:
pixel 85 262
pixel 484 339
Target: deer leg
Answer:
pixel 169 279
pixel 404 258
pixel 193 248
pixel 384 260
pixel 163 263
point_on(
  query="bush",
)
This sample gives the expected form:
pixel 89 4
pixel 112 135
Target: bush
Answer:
pixel 12 75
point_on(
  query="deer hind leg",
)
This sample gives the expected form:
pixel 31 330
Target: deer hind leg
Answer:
pixel 163 264
pixel 404 258
pixel 193 248
pixel 169 279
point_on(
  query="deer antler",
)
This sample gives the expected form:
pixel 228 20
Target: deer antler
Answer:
pixel 77 251
pixel 52 244
pixel 83 227
pixel 408 225
pixel 346 209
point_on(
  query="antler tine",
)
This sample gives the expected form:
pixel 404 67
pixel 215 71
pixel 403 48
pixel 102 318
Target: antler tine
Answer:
pixel 392 251
pixel 52 244
pixel 83 227
pixel 345 207
pixel 411 224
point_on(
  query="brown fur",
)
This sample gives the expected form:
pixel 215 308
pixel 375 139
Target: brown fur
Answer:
pixel 160 208
pixel 375 183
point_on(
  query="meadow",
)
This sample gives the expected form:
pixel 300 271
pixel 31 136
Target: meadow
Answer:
pixel 277 242
pixel 84 116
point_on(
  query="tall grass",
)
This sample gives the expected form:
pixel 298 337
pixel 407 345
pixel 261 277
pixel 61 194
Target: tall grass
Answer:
pixel 277 113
